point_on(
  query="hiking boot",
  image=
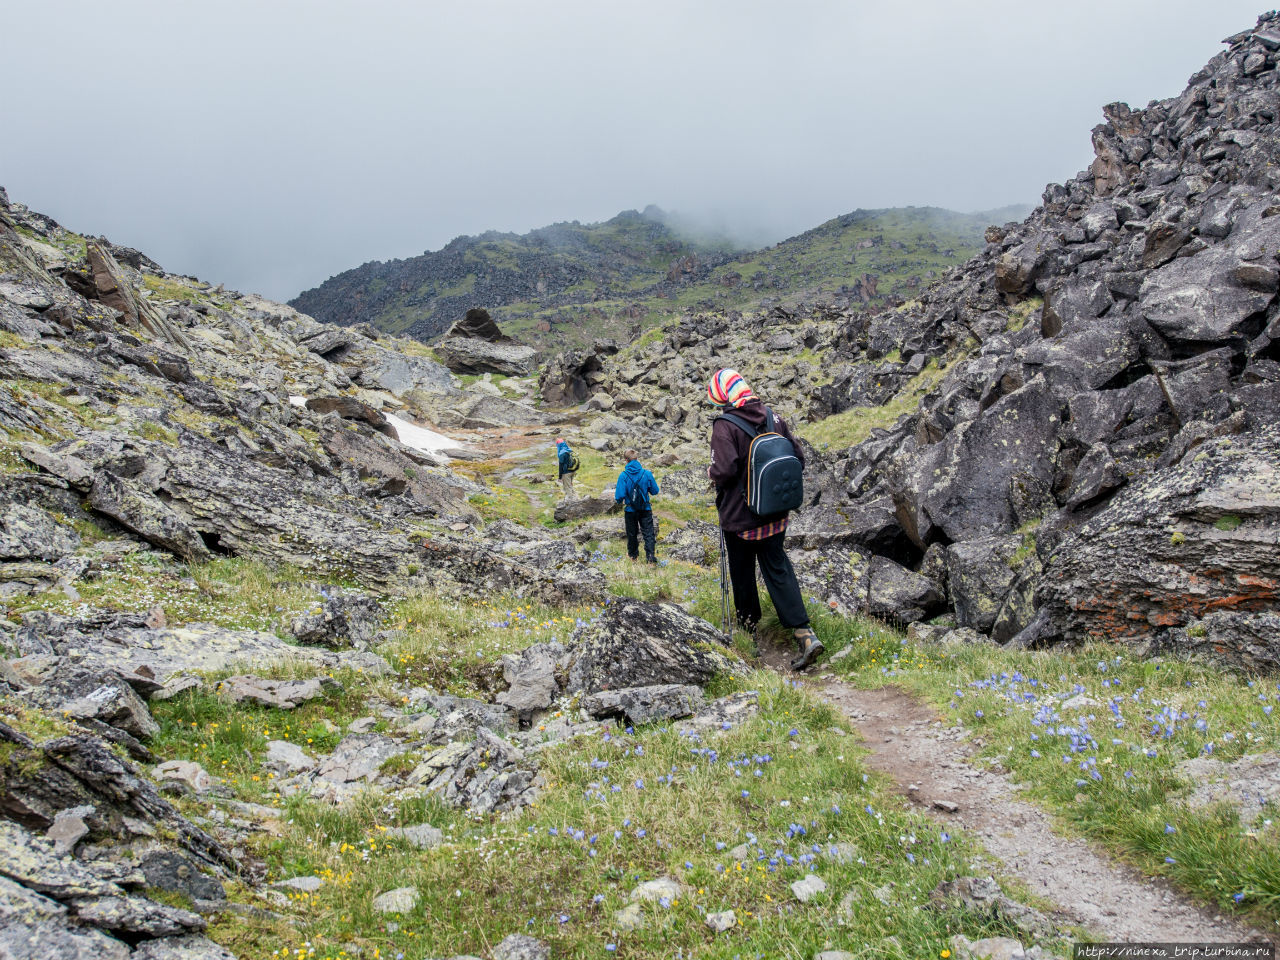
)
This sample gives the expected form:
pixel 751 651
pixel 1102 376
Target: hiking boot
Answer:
pixel 650 559
pixel 810 648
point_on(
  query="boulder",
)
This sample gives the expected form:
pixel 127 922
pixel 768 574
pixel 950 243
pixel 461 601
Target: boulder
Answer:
pixel 359 757
pixel 637 705
pixel 637 644
pixel 101 640
pixel 722 714
pixel 82 774
pixel 147 516
pixel 112 288
pixel 30 861
pixel 29 533
pixel 280 694
pixel 472 356
pixel 517 946
pixel 488 775
pixel 80 692
pixel 899 594
pixel 182 948
pixel 400 900
pixel 531 676
pixel 477 323
pixel 349 408
pixel 423 835
pixel 569 378
pixel 346 618
pixel 286 759
pixel 979 578
pixel 37 926
pixel 399 373
pixel 500 411
pixel 963 489
pixel 1202 298
pixel 1177 545
pixel 178 873
pixel 584 507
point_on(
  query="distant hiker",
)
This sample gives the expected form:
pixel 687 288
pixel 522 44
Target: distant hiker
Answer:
pixel 568 467
pixel 635 485
pixel 748 448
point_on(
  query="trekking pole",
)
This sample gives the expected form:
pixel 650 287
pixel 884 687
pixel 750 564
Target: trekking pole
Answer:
pixel 724 590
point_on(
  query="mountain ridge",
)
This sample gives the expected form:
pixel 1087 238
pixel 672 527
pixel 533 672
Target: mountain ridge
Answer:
pixel 622 275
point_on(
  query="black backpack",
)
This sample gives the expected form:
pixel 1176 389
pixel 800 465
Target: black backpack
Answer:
pixel 574 462
pixel 772 482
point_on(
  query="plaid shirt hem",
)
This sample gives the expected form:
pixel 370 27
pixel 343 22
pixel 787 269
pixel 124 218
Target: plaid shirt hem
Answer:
pixel 768 530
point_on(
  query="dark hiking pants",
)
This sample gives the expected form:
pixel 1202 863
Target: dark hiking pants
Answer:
pixel 779 579
pixel 640 523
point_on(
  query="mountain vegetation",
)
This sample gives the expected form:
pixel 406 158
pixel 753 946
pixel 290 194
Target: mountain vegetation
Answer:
pixel 571 283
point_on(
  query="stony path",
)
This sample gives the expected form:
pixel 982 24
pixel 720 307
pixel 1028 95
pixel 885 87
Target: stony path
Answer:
pixel 908 741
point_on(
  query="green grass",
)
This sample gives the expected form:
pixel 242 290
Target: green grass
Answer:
pixel 853 426
pixel 1022 312
pixel 560 870
pixel 230 592
pixel 171 288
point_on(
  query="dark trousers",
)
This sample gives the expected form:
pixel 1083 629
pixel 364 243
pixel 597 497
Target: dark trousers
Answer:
pixel 640 522
pixel 779 579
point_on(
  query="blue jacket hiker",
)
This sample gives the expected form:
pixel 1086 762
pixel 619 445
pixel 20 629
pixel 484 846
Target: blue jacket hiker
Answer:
pixel 568 467
pixel 635 486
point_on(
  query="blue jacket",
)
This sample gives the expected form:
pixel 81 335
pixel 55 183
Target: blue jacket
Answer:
pixel 634 475
pixel 562 454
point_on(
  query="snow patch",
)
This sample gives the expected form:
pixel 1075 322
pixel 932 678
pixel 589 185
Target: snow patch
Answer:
pixel 419 438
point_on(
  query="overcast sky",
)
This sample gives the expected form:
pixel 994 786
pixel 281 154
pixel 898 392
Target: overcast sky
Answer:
pixel 272 143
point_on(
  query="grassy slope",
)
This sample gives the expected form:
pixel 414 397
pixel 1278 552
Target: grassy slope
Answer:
pixel 667 805
pixel 606 279
pixel 910 247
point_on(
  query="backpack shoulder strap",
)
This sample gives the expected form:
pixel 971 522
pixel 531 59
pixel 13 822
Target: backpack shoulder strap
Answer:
pixel 768 421
pixel 741 424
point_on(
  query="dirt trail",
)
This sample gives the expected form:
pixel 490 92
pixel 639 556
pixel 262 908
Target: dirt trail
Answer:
pixel 930 762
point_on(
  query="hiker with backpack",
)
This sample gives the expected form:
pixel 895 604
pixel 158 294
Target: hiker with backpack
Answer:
pixel 568 467
pixel 756 467
pixel 635 486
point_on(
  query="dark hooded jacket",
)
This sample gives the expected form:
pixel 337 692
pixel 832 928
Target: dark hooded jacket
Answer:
pixel 729 448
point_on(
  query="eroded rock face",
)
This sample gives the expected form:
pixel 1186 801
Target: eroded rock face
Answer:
pixel 637 644
pixel 80 773
pixel 1196 539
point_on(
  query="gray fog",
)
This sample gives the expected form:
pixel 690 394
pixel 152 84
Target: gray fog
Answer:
pixel 270 144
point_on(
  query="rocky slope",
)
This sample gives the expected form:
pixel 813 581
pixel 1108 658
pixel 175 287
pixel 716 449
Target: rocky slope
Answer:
pixel 1070 436
pixel 152 423
pixel 570 283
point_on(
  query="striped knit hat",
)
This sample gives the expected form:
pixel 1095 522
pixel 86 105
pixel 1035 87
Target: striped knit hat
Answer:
pixel 728 389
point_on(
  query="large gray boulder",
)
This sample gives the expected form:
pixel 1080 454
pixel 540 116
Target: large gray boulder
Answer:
pixel 1198 538
pixel 637 644
pixel 1207 297
pixel 472 356
pixel 29 533
pixel 31 862
pixel 532 678
pixel 346 618
pixel 84 693
pixel 399 373
pixel 636 705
